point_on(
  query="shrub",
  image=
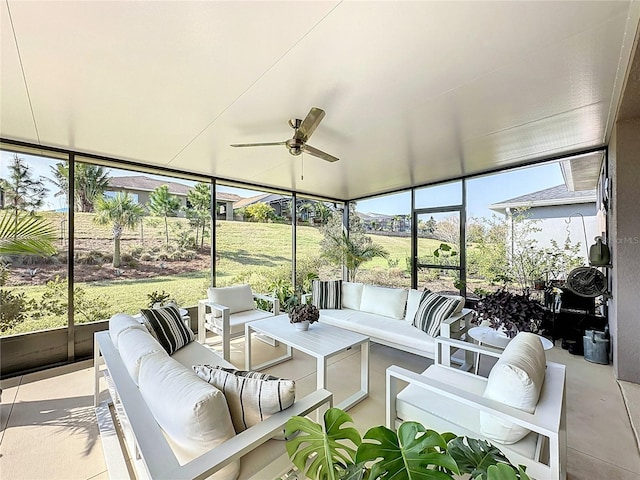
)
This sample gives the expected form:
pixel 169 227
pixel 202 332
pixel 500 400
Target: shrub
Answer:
pixel 13 309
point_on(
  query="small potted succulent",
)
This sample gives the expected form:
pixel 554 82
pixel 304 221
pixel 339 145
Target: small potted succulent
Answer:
pixel 158 299
pixel 303 315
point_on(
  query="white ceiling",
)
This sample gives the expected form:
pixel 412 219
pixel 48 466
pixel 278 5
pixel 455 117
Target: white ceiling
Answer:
pixel 415 92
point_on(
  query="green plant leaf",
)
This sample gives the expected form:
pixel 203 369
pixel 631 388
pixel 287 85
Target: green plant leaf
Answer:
pixel 322 453
pixel 409 454
pixel 26 234
pixel 503 471
pixel 475 456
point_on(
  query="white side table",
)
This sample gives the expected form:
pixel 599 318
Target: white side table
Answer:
pixel 494 338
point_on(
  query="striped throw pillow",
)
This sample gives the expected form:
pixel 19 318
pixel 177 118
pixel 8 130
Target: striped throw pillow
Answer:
pixel 433 309
pixel 327 294
pixel 251 396
pixel 166 325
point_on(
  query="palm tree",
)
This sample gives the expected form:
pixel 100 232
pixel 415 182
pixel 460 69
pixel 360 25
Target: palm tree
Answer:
pixel 163 204
pixel 26 234
pixel 91 181
pixel 122 212
pixel 353 253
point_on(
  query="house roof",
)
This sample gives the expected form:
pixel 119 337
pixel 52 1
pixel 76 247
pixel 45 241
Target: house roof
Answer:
pixel 558 195
pixel 147 184
pixel 263 197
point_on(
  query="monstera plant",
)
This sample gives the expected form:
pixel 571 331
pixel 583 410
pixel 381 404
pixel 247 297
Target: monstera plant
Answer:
pixel 337 452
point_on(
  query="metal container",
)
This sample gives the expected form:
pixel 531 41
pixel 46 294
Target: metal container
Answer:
pixel 596 347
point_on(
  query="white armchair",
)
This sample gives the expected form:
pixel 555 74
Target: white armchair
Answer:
pixel 529 428
pixel 227 310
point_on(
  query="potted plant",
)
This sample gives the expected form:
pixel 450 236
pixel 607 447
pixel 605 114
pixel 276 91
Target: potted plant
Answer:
pixel 303 315
pixel 157 299
pixel 512 312
pixel 336 452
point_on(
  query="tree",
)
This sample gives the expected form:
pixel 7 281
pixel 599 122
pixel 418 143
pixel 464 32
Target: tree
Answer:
pixel 26 234
pixel 322 212
pixel 350 250
pixel 21 190
pixel 163 204
pixel 91 181
pixel 260 212
pixel 122 212
pixel 199 211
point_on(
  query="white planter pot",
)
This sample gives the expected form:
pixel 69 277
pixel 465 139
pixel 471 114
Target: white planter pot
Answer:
pixel 302 326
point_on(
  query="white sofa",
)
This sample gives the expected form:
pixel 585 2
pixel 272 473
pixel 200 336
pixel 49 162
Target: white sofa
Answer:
pixel 520 407
pixel 386 315
pixel 172 423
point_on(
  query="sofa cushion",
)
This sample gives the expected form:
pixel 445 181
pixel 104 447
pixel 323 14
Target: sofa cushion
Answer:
pixel 433 309
pixel 236 299
pixel 133 345
pixel 327 294
pixel 352 295
pixel 413 302
pixel 515 380
pixel 251 396
pixel 121 322
pixel 167 326
pixel 193 414
pixel 388 302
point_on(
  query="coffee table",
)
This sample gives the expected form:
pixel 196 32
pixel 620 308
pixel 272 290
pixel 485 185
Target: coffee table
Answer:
pixel 321 341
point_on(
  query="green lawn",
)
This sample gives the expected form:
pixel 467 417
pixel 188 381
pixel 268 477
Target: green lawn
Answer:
pixel 244 249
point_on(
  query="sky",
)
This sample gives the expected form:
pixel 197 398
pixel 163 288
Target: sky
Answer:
pixel 481 191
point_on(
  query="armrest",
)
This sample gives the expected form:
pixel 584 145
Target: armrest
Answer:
pixel 547 425
pixel 305 297
pixel 271 299
pixel 203 305
pixel 244 442
pixel 456 325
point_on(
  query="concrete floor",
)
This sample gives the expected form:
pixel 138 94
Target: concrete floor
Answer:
pixel 49 430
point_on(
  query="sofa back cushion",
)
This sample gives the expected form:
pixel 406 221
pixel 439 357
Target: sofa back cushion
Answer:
pixel 133 345
pixel 327 294
pixel 121 322
pixel 167 326
pixel 193 414
pixel 251 396
pixel 388 302
pixel 237 299
pixel 515 380
pixel 352 295
pixel 413 301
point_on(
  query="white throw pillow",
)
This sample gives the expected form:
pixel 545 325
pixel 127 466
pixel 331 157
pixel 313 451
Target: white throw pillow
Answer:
pixel 352 295
pixel 121 322
pixel 251 396
pixel 515 380
pixel 192 413
pixel 460 299
pixel 237 299
pixel 134 345
pixel 413 301
pixel 388 302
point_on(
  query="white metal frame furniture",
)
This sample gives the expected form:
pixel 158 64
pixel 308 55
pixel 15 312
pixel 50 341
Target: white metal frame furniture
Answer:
pixel 125 420
pixel 206 308
pixel 321 341
pixel 486 335
pixel 446 401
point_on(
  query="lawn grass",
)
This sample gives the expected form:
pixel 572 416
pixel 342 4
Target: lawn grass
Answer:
pixel 242 247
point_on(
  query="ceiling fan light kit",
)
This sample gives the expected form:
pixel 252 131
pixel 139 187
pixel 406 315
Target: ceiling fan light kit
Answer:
pixel 302 130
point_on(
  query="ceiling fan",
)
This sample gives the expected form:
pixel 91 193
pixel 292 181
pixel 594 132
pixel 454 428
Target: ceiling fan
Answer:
pixel 302 130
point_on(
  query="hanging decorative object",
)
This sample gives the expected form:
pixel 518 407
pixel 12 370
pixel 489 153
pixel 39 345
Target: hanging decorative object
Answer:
pixel 587 282
pixel 599 254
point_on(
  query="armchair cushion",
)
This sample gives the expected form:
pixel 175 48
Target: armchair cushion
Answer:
pixel 515 380
pixel 352 295
pixel 193 414
pixel 238 320
pixel 433 309
pixel 167 326
pixel 237 299
pixel 251 396
pixel 327 294
pixel 388 302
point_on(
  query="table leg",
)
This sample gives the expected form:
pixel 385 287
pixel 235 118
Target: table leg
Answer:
pixel 477 362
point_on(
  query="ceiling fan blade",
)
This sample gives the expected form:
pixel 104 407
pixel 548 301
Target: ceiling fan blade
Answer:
pixel 258 144
pixel 319 153
pixel 310 123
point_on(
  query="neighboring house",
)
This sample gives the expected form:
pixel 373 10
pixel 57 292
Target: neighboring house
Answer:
pixel 140 187
pixel 560 213
pixel 279 203
pixel 380 222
